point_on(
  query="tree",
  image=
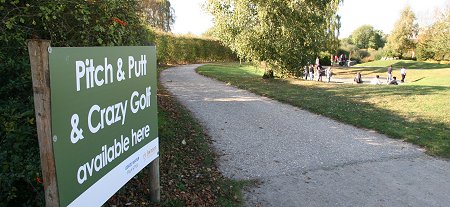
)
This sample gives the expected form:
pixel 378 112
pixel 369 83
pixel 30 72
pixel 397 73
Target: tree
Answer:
pixel 158 13
pixel 402 38
pixel 360 36
pixel 434 41
pixel 283 35
pixel 67 23
pixel 366 36
pixel 377 40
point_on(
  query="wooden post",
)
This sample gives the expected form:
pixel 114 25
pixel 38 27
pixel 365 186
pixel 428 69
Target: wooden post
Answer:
pixel 38 51
pixel 155 188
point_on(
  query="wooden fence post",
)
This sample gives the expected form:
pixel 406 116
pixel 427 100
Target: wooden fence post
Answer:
pixel 155 188
pixel 38 51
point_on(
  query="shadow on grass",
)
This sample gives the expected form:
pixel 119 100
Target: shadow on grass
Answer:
pixel 419 79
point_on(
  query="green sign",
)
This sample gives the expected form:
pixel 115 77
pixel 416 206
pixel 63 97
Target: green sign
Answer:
pixel 104 119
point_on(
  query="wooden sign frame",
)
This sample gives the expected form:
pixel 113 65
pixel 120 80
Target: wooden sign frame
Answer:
pixel 39 62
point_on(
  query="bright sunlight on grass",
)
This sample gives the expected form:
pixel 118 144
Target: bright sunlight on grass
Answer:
pixel 417 111
pixel 418 73
pixel 406 63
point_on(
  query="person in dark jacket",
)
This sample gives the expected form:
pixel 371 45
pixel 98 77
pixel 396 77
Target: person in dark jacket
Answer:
pixel 393 81
pixel 358 78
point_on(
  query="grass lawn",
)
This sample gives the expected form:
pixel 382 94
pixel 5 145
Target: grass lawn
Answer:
pixel 406 63
pixel 417 111
pixel 417 73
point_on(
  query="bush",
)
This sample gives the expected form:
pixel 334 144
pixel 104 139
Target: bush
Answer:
pixel 347 49
pixel 182 49
pixel 325 58
pixel 360 55
pixel 65 23
pixel 373 55
pixel 410 55
pixel 423 52
pixel 378 54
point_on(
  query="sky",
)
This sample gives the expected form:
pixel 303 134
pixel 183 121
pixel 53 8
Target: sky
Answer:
pixel 381 14
pixel 190 17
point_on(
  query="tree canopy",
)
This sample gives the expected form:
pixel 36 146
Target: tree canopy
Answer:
pixel 434 41
pixel 283 34
pixel 402 38
pixel 158 13
pixel 367 37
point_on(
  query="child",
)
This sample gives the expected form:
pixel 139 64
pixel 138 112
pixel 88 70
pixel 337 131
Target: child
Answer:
pixel 319 73
pixel 358 78
pixel 306 72
pixel 329 74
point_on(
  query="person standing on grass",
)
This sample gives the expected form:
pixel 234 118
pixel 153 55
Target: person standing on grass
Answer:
pixel 329 73
pixel 345 60
pixel 389 74
pixel 306 72
pixel 311 72
pixel 403 73
pixel 319 73
pixel 358 78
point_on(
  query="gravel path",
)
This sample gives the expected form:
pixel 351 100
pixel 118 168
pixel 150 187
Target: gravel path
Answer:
pixel 303 159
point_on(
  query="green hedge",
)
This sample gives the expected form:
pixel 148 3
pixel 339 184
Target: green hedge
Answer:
pixel 67 23
pixel 182 49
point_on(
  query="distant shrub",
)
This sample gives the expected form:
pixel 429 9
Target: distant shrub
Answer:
pixel 182 49
pixel 410 55
pixel 378 54
pixel 373 55
pixel 350 51
pixel 360 55
pixel 325 58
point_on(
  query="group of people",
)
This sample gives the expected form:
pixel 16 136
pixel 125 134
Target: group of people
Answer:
pixel 390 80
pixel 402 73
pixel 318 70
pixel 341 60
